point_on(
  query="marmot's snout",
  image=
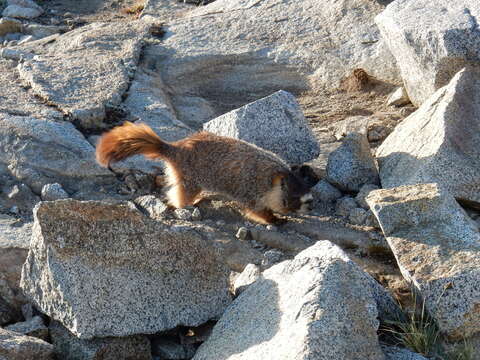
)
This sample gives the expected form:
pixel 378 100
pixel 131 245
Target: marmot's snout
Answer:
pixel 307 202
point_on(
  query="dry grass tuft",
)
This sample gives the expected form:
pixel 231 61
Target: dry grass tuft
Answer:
pixel 135 9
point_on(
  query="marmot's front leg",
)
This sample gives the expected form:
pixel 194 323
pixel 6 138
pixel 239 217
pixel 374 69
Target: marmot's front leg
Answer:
pixel 264 216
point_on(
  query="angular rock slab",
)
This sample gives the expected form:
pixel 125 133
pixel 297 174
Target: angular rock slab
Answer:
pixel 40 152
pixel 439 143
pixel 233 52
pixel 275 123
pixel 108 270
pixel 437 247
pixel 431 41
pixel 15 346
pixel 301 309
pixel 14 244
pixel 352 165
pixel 87 69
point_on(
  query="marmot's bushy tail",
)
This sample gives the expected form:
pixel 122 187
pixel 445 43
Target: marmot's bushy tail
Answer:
pixel 131 139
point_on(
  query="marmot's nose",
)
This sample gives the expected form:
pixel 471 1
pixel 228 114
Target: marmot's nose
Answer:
pixel 307 198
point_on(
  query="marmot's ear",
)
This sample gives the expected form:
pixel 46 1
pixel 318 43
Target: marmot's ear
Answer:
pixel 306 173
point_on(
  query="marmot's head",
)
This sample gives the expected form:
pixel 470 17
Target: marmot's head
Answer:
pixel 289 193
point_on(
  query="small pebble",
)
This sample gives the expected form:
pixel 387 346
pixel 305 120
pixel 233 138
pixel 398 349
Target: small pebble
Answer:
pixel 242 233
pixel 183 214
pixel 196 214
pixel 271 257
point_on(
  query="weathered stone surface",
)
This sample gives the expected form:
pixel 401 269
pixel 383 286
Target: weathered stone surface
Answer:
pixel 32 327
pixel 319 165
pixel 7 313
pixel 52 192
pixel 439 143
pixel 108 270
pixel 16 100
pixel 398 98
pixel 170 349
pixel 326 192
pixel 25 3
pixel 352 164
pixel 39 31
pixel 39 152
pixel 22 197
pixel 232 52
pixel 278 240
pixel 352 124
pixel 164 9
pixel 249 275
pixel 69 347
pixel 153 206
pixel 363 193
pixel 86 69
pixel 15 11
pixel 357 216
pixel 396 353
pixel 345 205
pixel 14 346
pixel 301 309
pixel 437 248
pixel 275 123
pixel 14 244
pixel 431 41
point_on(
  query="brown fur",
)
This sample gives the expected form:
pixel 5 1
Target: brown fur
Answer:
pixel 257 179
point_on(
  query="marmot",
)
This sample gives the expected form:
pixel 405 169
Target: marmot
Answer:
pixel 260 181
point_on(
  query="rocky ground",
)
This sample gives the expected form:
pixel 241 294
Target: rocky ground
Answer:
pixel 379 100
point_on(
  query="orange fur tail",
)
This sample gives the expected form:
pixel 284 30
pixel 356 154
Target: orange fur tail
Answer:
pixel 128 140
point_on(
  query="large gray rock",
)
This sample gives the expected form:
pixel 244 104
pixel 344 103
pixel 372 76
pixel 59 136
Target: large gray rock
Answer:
pixel 108 270
pixel 396 353
pixel 20 196
pixel 301 309
pixel 15 346
pixel 437 247
pixel 52 192
pixel 275 123
pixel 69 347
pixel 15 11
pixel 233 52
pixel 32 327
pixel 86 69
pixel 325 192
pixel 440 142
pixel 16 100
pixel 431 41
pixel 352 165
pixel 40 152
pixel 14 244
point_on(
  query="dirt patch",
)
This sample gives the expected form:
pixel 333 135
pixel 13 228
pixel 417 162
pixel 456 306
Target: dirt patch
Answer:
pixel 325 107
pixel 78 12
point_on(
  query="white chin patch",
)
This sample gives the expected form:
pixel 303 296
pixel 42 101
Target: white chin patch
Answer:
pixel 306 198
